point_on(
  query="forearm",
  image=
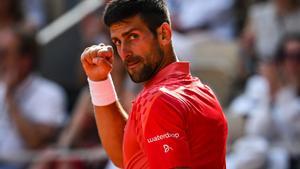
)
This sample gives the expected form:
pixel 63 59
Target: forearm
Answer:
pixel 110 117
pixel 111 120
pixel 32 133
pixel 75 128
pixel 82 115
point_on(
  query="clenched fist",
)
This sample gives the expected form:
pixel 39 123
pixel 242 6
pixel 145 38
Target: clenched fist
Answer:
pixel 97 61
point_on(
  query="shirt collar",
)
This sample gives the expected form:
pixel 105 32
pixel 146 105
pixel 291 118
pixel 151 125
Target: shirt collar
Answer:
pixel 173 69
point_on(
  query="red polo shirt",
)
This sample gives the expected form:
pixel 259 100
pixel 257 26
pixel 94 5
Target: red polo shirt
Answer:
pixel 176 121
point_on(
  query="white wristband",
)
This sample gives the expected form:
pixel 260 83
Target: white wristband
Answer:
pixel 102 92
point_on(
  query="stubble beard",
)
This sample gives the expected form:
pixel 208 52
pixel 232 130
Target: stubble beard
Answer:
pixel 143 74
pixel 147 70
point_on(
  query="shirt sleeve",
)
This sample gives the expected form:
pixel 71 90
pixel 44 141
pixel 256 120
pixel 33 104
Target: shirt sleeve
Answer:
pixel 47 104
pixel 164 129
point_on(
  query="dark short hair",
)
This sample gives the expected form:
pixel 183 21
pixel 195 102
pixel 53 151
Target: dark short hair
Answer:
pixel 153 12
pixel 28 46
pixel 16 11
pixel 280 54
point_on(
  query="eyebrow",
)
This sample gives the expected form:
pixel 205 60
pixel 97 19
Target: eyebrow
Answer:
pixel 127 32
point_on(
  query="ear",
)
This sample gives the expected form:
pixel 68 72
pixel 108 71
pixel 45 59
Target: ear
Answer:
pixel 164 34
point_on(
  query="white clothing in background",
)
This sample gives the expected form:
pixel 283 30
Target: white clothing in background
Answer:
pixel 40 100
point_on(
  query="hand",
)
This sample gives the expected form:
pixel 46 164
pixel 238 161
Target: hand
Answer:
pixel 97 61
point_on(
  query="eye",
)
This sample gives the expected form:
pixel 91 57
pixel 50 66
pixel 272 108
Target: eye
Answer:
pixel 133 36
pixel 117 42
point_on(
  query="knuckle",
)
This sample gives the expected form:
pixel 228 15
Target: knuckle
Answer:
pixel 86 49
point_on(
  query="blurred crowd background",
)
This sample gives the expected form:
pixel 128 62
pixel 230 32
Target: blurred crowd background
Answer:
pixel 248 51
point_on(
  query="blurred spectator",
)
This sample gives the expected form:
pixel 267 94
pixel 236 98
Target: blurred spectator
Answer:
pixel 241 9
pixel 214 16
pixel 34 14
pixel 250 151
pixel 259 89
pixel 267 22
pixel 80 133
pixel 31 107
pixel 81 126
pixel 10 13
pixel 28 13
pixel 288 53
pixel 197 23
pixel 273 110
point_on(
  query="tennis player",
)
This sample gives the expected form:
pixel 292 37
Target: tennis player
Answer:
pixel 176 121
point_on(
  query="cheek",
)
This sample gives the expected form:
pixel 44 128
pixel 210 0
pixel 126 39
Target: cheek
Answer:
pixel 117 51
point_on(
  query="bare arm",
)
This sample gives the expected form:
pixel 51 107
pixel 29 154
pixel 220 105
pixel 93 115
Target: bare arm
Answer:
pixel 34 134
pixel 111 120
pixel 97 63
pixel 82 115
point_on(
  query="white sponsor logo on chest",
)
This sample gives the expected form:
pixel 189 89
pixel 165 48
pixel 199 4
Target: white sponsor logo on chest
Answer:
pixel 163 136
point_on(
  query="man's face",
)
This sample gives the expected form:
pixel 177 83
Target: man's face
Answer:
pixel 11 62
pixel 138 48
pixel 8 51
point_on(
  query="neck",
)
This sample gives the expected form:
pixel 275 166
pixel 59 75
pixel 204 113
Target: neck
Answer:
pixel 169 57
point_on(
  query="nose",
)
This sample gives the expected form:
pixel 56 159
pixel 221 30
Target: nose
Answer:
pixel 125 51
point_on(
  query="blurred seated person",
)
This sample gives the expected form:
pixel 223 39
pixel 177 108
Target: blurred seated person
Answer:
pixel 196 21
pixel 266 24
pixel 274 116
pixel 32 108
pixel 261 88
pixel 214 17
pixel 10 13
pixel 249 151
pixel 81 130
pixel 80 133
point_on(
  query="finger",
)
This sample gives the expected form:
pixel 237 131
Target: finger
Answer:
pixel 111 50
pixel 93 51
pixel 106 52
pixel 86 48
pixel 103 65
pixel 99 61
pixel 85 59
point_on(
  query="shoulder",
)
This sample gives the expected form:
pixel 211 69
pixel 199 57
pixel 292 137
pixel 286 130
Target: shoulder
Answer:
pixel 161 94
pixel 163 108
pixel 162 100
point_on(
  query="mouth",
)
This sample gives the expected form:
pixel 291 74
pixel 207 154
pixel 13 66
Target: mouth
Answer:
pixel 132 62
pixel 131 65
